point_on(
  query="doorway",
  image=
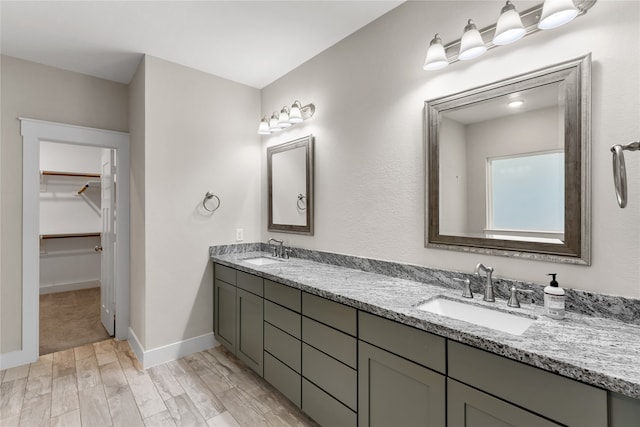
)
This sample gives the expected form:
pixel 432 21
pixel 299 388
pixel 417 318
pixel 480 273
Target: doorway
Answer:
pixel 75 206
pixel 117 143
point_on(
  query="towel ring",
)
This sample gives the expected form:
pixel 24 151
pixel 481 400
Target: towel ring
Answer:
pixel 620 170
pixel 301 199
pixel 208 197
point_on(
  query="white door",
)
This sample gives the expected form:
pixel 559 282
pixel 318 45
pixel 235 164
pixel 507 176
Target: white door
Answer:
pixel 108 244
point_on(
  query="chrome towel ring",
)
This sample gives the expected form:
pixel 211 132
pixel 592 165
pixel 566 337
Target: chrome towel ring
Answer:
pixel 620 171
pixel 301 201
pixel 208 197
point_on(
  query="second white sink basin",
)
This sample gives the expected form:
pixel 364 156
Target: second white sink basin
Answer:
pixel 262 260
pixel 481 316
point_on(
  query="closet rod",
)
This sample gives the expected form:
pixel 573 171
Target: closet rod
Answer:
pixel 67 236
pixel 55 173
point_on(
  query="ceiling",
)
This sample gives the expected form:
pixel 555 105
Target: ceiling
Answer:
pixel 251 42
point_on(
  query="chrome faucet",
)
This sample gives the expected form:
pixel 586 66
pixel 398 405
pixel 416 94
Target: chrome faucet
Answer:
pixel 278 251
pixel 488 287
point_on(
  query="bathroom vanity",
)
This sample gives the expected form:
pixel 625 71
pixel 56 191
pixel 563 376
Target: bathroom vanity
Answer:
pixel 351 348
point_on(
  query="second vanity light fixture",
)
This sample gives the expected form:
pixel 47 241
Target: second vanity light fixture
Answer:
pixel 511 27
pixel 286 118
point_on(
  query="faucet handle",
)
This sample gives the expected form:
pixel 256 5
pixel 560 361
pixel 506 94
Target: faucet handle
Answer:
pixel 513 297
pixel 466 292
pixel 286 253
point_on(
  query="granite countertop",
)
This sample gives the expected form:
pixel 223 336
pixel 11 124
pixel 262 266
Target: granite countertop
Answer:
pixel 593 350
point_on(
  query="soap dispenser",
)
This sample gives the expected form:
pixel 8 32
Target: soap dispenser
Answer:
pixel 554 297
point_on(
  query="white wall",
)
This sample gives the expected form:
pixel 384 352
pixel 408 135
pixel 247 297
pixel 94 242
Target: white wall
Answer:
pixel 369 91
pixel 40 92
pixel 199 136
pixel 453 178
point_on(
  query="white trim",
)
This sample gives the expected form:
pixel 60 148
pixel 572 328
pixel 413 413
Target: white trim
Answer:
pixel 54 288
pixel 170 352
pixel 34 131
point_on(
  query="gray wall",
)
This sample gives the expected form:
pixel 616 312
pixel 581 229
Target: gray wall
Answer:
pixel 369 91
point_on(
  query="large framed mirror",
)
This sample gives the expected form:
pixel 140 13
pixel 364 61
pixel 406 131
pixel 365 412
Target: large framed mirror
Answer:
pixel 508 166
pixel 290 181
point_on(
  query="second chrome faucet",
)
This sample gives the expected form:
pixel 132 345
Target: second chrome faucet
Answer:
pixel 488 287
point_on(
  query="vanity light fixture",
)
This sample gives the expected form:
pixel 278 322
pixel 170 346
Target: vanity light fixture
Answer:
pixel 556 13
pixel 511 27
pixel 471 44
pixel 286 118
pixel 436 56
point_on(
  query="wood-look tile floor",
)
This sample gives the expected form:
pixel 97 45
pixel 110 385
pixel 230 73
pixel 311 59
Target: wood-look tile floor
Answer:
pixel 102 384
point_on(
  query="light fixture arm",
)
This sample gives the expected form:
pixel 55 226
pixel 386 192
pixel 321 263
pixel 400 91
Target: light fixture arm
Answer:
pixel 530 18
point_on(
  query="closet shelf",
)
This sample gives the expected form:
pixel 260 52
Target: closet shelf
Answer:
pixel 80 174
pixel 67 235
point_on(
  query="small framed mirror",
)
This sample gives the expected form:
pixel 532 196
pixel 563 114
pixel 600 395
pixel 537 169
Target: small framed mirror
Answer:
pixel 508 166
pixel 290 181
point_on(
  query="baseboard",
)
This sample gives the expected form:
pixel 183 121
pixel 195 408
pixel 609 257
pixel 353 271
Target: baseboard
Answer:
pixel 167 353
pixel 15 358
pixel 65 287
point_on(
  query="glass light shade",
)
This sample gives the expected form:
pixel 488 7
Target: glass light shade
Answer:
pixel 263 129
pixel 283 119
pixel 509 27
pixel 295 115
pixel 436 55
pixel 471 45
pixel 273 124
pixel 556 13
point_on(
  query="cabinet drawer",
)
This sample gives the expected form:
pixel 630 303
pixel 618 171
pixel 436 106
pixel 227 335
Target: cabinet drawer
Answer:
pixel 282 378
pixel 283 318
pixel 283 346
pixel 335 343
pixel 331 313
pixel 249 283
pixel 323 408
pixel 467 406
pixel 418 346
pixel 563 400
pixel 225 273
pixel 283 295
pixel 335 378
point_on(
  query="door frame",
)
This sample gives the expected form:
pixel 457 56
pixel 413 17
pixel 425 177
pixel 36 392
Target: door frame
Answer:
pixel 34 131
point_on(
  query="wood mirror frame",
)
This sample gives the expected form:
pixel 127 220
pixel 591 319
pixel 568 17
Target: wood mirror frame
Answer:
pixel 575 76
pixel 305 143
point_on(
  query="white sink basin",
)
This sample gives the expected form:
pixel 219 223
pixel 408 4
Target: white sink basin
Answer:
pixel 482 316
pixel 262 260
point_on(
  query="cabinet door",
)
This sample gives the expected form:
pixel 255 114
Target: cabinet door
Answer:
pixel 225 314
pixel 468 407
pixel 249 328
pixel 395 392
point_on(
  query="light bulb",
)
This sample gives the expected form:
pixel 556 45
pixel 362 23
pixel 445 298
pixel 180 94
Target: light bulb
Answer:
pixel 509 27
pixel 556 13
pixel 436 55
pixel 471 45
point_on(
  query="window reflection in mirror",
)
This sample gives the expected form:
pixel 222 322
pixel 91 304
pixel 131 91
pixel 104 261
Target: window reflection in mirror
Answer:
pixel 290 181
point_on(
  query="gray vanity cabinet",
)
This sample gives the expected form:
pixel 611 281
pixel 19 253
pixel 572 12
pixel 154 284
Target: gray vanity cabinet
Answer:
pixel 282 345
pixel 399 389
pixel 224 306
pixel 238 314
pixel 329 361
pixel 556 398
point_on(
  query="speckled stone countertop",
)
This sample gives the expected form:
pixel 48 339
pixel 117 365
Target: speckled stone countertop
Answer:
pixel 593 350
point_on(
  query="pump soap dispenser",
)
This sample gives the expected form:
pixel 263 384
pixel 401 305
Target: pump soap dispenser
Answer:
pixel 554 299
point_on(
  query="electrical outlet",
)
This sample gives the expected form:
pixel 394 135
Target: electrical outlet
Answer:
pixel 239 235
